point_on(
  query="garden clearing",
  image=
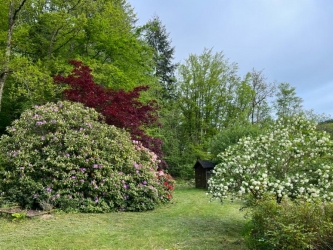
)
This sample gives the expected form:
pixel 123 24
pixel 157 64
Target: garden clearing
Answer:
pixel 190 221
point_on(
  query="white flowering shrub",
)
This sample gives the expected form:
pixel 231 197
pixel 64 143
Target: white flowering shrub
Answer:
pixel 230 136
pixel 292 159
pixel 64 156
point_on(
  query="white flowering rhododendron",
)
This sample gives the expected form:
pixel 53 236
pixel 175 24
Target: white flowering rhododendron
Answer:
pixel 291 160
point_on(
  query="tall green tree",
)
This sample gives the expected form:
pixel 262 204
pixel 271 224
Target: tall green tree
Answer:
pixel 207 85
pixel 156 35
pixel 99 33
pixel 11 9
pixel 287 103
pixel 240 109
pixel 262 91
pixel 45 35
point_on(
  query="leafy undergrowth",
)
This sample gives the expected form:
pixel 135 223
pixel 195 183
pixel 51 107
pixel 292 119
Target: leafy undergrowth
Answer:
pixel 189 222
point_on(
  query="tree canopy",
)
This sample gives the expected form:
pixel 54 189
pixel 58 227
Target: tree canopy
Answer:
pixel 45 35
pixel 121 109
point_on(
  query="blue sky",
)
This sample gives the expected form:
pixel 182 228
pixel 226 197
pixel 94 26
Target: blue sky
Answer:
pixel 291 40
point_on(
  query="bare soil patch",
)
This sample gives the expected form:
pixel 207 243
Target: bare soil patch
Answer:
pixel 28 213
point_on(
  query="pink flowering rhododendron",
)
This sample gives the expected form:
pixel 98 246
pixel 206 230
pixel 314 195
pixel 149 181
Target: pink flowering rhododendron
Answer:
pixel 82 163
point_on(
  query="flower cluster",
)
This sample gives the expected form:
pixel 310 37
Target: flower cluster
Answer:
pixel 292 159
pixel 168 183
pixel 63 155
pixel 164 179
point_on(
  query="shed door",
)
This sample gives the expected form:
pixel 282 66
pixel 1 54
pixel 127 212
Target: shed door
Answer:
pixel 200 178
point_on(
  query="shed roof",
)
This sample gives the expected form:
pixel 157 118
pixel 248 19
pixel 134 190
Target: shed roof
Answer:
pixel 205 164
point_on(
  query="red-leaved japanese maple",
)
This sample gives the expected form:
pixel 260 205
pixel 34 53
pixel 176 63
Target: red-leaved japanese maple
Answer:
pixel 120 108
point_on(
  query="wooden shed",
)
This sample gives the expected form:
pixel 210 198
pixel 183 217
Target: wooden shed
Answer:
pixel 203 171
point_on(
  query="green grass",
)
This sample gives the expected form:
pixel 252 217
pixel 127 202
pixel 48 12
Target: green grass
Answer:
pixel 189 222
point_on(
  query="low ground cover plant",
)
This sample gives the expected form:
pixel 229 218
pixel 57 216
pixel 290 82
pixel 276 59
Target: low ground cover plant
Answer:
pixel 62 155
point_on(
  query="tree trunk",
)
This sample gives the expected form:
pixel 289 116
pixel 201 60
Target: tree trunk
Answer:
pixel 12 16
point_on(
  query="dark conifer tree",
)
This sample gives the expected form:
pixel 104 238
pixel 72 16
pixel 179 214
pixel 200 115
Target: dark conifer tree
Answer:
pixel 155 34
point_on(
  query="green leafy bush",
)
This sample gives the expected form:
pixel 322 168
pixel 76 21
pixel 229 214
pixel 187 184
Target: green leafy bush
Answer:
pixel 290 225
pixel 64 156
pixel 230 136
pixel 183 172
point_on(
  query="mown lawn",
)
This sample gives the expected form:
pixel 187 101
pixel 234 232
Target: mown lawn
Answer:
pixel 189 222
